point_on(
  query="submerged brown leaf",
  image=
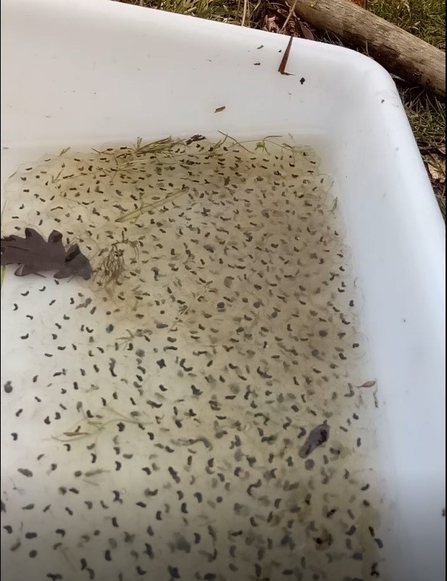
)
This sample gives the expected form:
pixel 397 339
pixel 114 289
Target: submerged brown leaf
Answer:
pixel 34 255
pixel 371 383
pixel 316 438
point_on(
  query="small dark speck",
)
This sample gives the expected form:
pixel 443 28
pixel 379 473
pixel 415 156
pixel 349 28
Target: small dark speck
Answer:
pixel 25 472
pixel 174 474
pixel 128 538
pixel 302 80
pixel 374 572
pixel 8 387
pixel 255 485
pixel 16 545
pixel 256 64
pixel 173 571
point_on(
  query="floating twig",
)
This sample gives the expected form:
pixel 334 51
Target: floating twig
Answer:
pixel 285 58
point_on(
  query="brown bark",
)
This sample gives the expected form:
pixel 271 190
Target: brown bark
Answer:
pixel 401 53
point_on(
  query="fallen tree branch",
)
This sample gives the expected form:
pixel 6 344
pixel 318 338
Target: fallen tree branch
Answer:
pixel 401 53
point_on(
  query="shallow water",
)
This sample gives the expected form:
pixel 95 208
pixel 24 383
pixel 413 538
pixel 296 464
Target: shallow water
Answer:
pixel 158 421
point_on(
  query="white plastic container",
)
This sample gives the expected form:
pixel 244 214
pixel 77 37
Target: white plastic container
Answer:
pixel 82 72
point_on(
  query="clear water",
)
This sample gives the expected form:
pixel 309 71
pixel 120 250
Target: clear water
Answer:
pixel 159 420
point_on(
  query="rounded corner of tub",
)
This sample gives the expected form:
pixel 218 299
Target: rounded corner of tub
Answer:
pixel 364 64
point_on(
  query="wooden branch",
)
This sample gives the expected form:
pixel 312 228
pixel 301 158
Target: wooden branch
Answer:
pixel 401 53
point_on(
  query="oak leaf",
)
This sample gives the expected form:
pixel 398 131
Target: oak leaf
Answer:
pixel 35 255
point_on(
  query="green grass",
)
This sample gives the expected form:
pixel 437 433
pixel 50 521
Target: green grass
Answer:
pixel 426 20
pixel 427 117
pixel 423 18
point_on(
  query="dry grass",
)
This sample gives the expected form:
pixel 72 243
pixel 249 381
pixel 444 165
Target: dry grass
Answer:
pixel 423 18
pixel 221 10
